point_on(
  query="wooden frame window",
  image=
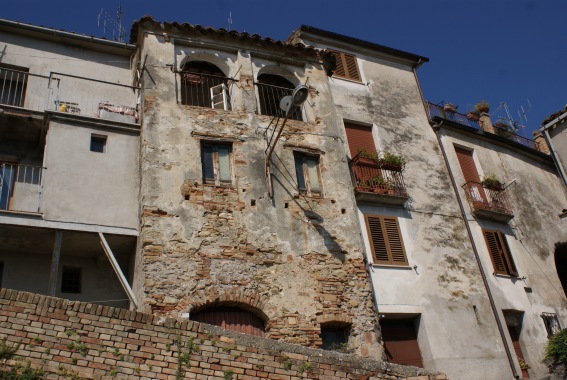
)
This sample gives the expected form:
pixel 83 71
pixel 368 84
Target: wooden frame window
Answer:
pixel 500 253
pixel 71 280
pixel 347 67
pixel 308 174
pixel 216 162
pixel 386 240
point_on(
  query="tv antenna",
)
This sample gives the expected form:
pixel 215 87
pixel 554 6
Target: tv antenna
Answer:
pixel 114 27
pixel 515 125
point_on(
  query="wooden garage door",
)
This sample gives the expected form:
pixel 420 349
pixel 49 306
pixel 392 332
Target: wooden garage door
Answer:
pixel 359 137
pixel 231 318
pixel 400 342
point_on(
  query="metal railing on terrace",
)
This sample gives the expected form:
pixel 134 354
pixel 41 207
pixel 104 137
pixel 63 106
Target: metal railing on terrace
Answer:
pixel 20 187
pixel 485 198
pixel 270 96
pixel 437 110
pixel 372 176
pixel 22 89
pixel 203 90
pixel 93 98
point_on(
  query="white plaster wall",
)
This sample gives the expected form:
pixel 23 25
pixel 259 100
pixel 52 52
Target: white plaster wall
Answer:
pixel 558 135
pixel 89 187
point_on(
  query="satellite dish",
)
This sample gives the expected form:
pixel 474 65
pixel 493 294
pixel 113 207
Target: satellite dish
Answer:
pixel 296 99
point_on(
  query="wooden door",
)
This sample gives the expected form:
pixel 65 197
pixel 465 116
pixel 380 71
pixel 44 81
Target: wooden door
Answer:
pixel 400 342
pixel 231 318
pixel 472 179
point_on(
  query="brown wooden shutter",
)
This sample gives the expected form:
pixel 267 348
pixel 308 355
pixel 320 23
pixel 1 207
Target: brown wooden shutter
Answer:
pixel 347 66
pixel 359 137
pixel 467 164
pixel 231 318
pixel 500 253
pixel 386 240
pixel 400 342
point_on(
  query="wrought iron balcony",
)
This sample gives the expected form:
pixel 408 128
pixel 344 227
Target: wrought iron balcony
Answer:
pixel 20 187
pixel 488 202
pixel 204 90
pixel 270 97
pixel 377 182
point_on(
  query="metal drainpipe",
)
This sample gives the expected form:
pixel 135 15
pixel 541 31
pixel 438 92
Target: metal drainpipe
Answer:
pixel 436 128
pixel 558 164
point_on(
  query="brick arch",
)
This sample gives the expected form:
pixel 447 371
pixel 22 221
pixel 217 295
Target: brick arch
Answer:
pixel 279 71
pixel 206 57
pixel 334 320
pixel 247 300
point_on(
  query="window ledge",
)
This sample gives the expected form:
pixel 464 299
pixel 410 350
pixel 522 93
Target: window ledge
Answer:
pixel 23 213
pixel 393 266
pixel 511 277
pixel 350 80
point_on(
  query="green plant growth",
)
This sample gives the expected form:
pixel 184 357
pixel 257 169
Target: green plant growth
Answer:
pixel 19 371
pixel 556 349
pixel 305 367
pixel 286 365
pixel 228 374
pixel 366 154
pixel 393 159
pixel 482 106
pixel 490 181
pixel 379 181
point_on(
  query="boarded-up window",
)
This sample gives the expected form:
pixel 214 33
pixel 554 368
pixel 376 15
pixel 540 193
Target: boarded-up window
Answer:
pixel 231 318
pixel 500 253
pixel 347 66
pixel 359 138
pixel 385 240
pixel 400 341
pixel 216 162
pixel 308 174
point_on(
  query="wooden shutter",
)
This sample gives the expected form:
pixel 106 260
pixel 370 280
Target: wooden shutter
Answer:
pixel 467 164
pixel 386 240
pixel 359 137
pixel 500 253
pixel 347 66
pixel 231 318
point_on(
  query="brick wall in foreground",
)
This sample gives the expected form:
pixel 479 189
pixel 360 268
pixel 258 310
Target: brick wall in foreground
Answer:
pixel 69 339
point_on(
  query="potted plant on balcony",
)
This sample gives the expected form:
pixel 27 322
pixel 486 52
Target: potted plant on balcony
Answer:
pixel 366 156
pixel 482 106
pixel 381 185
pixel 491 182
pixel 450 107
pixel 473 115
pixel 391 161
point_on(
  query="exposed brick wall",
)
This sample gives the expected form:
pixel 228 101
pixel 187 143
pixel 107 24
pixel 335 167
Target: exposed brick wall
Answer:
pixel 70 339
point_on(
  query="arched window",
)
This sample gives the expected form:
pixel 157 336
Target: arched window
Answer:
pixel 204 85
pixel 231 318
pixel 271 89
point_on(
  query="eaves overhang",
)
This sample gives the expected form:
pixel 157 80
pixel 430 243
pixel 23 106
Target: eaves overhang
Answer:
pixel 186 28
pixel 400 54
pixel 62 36
pixel 499 140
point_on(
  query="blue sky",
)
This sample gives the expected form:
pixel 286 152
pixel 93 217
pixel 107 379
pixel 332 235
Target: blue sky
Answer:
pixel 512 51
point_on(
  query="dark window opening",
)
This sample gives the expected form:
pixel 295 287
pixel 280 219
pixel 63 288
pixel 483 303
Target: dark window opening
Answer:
pixel 216 162
pixel 8 174
pixel 271 90
pixel 13 84
pixel 98 143
pixel 308 174
pixel 561 265
pixel 335 337
pixel 204 85
pixel 1 272
pixel 514 323
pixel 400 341
pixel 231 318
pixel 71 280
pixel 551 323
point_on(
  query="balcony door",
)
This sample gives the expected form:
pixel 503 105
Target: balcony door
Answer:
pixel 7 182
pixel 472 179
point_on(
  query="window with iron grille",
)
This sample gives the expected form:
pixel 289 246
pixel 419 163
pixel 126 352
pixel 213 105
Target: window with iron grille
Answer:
pixel 551 322
pixel 347 66
pixel 216 162
pixel 500 254
pixel 385 240
pixel 204 85
pixel 71 280
pixel 334 337
pixel 308 174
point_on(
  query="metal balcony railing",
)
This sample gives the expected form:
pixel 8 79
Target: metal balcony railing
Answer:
pixel 202 90
pixel 484 200
pixel 22 89
pixel 93 98
pixel 436 110
pixel 372 176
pixel 269 97
pixel 20 187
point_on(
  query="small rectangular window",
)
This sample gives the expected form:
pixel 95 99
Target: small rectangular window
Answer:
pixel 308 174
pixel 216 162
pixel 500 254
pixel 551 323
pixel 385 240
pixel 71 280
pixel 335 337
pixel 98 143
pixel 347 66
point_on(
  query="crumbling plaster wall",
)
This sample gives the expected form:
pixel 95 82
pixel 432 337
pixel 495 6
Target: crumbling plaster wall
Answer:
pixel 294 260
pixel 537 198
pixel 445 288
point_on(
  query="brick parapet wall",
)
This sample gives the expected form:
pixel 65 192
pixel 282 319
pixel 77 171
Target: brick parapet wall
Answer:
pixel 71 339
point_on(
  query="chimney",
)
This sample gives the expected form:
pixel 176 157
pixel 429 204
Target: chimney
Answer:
pixel 485 122
pixel 541 143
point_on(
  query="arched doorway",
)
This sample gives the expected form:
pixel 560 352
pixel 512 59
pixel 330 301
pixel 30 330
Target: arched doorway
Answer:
pixel 231 318
pixel 271 89
pixel 204 85
pixel 561 264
